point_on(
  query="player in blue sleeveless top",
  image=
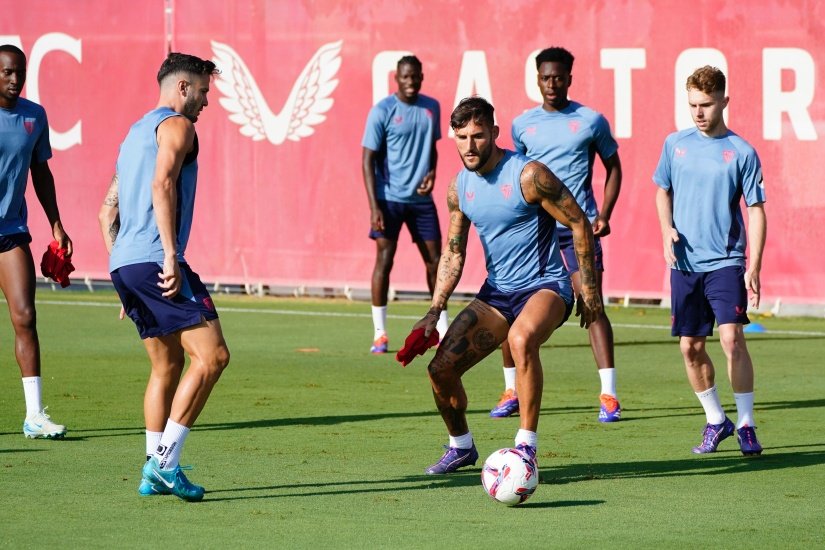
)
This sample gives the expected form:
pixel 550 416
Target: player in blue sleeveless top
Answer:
pixel 703 174
pixel 24 148
pixel 513 203
pixel 398 163
pixel 566 137
pixel 146 218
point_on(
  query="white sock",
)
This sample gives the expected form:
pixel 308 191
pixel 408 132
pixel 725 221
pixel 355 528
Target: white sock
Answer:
pixel 608 377
pixel 32 391
pixel 443 324
pixel 713 407
pixel 510 378
pixel 171 444
pixel 462 441
pixel 152 442
pixel 526 437
pixel 744 408
pixel 379 320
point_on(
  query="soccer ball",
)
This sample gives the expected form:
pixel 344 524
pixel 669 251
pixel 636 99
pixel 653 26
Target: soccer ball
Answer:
pixel 510 476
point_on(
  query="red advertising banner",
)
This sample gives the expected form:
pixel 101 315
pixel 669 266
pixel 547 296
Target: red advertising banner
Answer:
pixel 281 198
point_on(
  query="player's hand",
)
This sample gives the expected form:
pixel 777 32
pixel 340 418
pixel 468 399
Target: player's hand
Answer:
pixel 377 220
pixel 754 286
pixel 170 280
pixel 588 307
pixel 122 314
pixel 427 184
pixel 669 237
pixel 428 322
pixel 62 239
pixel 601 226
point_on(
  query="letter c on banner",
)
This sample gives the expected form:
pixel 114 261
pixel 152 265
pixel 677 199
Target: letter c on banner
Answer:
pixel 54 41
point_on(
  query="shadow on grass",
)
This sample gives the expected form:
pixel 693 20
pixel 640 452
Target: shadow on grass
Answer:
pixel 20 450
pixel 691 410
pixel 642 414
pixel 721 463
pixel 561 503
pixel 465 478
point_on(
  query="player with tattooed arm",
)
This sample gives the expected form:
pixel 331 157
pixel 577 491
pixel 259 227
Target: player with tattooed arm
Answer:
pixel 513 203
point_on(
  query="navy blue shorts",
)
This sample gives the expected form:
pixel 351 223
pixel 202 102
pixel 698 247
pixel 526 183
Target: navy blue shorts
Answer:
pixel 421 219
pixel 10 242
pixel 699 299
pixel 568 251
pixel 154 315
pixel 510 304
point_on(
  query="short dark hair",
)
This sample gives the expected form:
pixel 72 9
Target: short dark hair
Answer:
pixel 11 48
pixel 181 62
pixel 555 54
pixel 707 80
pixel 409 60
pixel 473 108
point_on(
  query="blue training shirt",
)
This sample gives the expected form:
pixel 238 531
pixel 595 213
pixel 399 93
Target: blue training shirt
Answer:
pixel 403 135
pixel 24 139
pixel 708 177
pixel 566 141
pixel 138 240
pixel 519 238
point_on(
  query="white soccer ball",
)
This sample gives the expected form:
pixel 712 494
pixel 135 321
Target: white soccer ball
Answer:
pixel 510 476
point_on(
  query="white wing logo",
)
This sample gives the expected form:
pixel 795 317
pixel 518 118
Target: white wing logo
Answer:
pixel 304 108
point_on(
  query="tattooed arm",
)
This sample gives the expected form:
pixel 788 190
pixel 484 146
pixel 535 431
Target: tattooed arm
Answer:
pixel 452 260
pixel 109 215
pixel 540 185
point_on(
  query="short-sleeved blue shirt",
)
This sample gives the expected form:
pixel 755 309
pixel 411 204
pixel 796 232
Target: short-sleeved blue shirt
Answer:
pixel 708 177
pixel 566 141
pixel 403 135
pixel 24 139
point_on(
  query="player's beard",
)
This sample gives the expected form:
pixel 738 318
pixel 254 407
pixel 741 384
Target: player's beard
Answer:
pixel 191 109
pixel 483 155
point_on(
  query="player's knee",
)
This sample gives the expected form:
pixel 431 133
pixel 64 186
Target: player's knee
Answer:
pixel 214 362
pixel 222 358
pixel 520 344
pixel 691 350
pixel 603 321
pixel 442 374
pixel 732 344
pixel 24 318
pixel 384 257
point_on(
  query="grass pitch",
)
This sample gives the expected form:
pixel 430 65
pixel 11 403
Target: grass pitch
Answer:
pixel 309 441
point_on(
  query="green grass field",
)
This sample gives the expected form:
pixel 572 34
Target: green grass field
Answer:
pixel 309 441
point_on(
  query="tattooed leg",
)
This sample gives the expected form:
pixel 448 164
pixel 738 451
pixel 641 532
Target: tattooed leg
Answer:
pixel 474 334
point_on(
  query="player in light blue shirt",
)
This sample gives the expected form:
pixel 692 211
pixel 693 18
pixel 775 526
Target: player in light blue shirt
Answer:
pixel 398 163
pixel 702 177
pixel 145 220
pixel 567 137
pixel 24 148
pixel 513 203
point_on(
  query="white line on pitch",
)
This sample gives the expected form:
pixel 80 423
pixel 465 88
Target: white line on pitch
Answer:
pixel 115 305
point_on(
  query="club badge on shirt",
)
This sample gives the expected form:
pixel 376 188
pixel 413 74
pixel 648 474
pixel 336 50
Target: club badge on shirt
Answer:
pixel 507 190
